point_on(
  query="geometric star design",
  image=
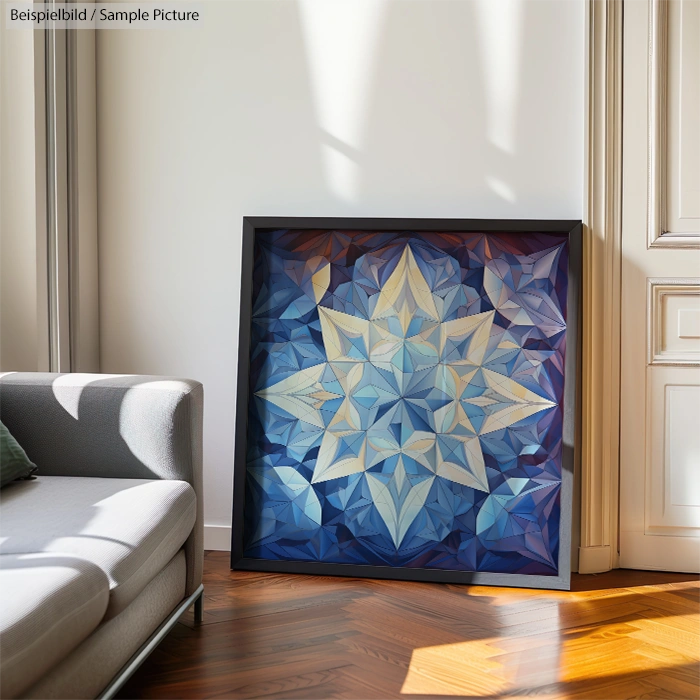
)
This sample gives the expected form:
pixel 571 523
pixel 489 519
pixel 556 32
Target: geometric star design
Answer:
pixel 403 388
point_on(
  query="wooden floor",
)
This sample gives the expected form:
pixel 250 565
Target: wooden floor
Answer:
pixel 624 634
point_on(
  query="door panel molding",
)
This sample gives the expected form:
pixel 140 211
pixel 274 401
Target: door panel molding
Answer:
pixel 660 290
pixel 672 491
pixel 658 81
pixel 658 75
pixel 602 291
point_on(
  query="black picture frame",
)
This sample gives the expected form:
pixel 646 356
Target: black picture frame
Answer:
pixel 571 400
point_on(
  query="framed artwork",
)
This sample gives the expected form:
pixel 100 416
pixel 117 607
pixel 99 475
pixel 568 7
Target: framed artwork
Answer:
pixel 407 399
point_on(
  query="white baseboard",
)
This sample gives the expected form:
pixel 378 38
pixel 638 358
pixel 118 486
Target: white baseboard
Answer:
pixel 594 560
pixel 217 537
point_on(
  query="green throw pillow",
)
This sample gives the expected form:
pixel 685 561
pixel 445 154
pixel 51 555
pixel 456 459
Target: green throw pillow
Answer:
pixel 14 463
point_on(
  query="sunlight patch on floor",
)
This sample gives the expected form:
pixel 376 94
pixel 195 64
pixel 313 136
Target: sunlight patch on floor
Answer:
pixel 512 664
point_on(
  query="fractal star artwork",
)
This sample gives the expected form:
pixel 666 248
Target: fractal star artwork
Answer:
pixel 405 403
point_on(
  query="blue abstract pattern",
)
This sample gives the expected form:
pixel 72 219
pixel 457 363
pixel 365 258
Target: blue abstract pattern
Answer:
pixel 406 399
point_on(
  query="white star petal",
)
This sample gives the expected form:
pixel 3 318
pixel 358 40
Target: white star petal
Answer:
pixel 300 395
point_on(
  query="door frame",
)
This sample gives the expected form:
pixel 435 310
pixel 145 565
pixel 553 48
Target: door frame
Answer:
pixel 602 290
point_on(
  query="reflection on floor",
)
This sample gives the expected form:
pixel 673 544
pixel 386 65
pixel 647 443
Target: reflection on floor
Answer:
pixel 624 634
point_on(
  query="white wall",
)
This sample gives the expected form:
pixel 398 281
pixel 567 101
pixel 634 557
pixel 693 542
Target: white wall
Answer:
pixel 18 234
pixel 437 108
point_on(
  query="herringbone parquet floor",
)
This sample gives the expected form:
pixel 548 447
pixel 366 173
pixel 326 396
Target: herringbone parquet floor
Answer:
pixel 625 634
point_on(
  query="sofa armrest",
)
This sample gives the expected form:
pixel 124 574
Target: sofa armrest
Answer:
pixel 120 426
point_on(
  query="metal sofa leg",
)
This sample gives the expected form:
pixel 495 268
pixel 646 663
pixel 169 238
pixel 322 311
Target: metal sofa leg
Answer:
pixel 199 608
pixel 153 641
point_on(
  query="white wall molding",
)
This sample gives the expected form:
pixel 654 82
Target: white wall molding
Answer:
pixel 85 333
pixel 70 190
pixel 59 172
pixel 602 291
pixel 595 559
pixel 41 209
pixel 217 537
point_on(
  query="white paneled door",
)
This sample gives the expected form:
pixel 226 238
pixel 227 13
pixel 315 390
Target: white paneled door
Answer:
pixel 660 392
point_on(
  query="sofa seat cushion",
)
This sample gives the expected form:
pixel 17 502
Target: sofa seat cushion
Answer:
pixel 50 604
pixel 130 528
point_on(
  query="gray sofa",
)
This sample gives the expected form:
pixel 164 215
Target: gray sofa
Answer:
pixel 102 552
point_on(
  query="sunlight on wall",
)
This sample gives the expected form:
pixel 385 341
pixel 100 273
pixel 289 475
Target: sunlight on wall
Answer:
pixel 502 189
pixel 341 39
pixel 500 34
